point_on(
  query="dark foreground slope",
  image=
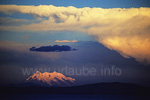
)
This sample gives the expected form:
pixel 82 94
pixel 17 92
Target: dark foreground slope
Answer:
pixel 98 88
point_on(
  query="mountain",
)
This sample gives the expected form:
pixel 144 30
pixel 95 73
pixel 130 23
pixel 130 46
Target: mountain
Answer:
pixel 114 88
pixel 53 79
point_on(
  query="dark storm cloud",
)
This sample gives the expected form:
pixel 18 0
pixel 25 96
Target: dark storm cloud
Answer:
pixel 55 48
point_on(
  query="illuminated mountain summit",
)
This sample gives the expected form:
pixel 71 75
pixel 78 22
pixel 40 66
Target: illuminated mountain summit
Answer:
pixel 53 79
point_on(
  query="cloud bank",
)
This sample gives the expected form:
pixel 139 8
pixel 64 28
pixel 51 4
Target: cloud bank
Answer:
pixel 124 30
pixel 65 41
pixel 55 48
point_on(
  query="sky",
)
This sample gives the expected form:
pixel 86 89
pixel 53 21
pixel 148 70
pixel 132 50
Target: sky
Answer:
pixel 97 34
pixel 84 3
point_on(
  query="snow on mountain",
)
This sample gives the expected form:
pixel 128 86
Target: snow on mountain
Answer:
pixel 53 79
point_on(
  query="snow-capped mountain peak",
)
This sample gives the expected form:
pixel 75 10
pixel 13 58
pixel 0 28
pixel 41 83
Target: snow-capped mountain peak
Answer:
pixel 51 79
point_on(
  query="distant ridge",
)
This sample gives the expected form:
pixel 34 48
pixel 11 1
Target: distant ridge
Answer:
pixel 98 88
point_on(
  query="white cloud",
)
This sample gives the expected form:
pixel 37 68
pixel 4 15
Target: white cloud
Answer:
pixel 124 30
pixel 63 41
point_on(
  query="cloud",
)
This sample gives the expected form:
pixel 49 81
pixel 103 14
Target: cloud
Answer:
pixel 125 30
pixel 131 38
pixel 8 21
pixel 55 48
pixel 63 41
